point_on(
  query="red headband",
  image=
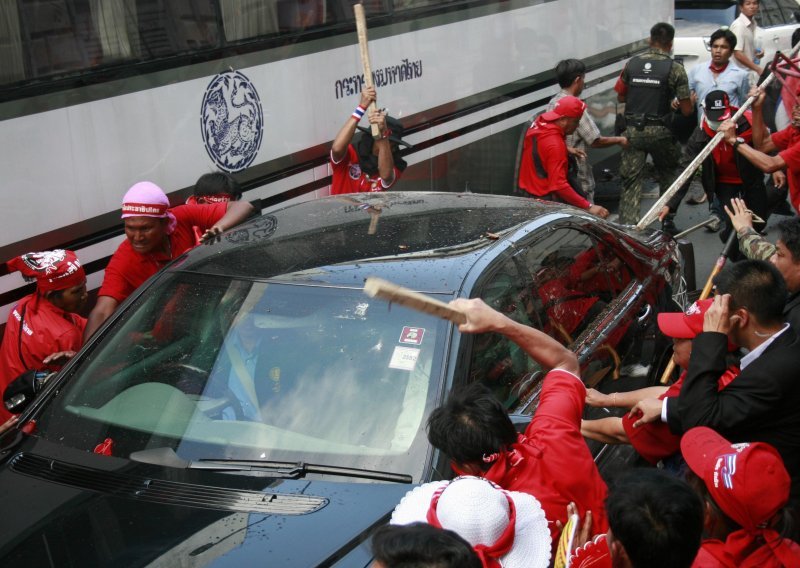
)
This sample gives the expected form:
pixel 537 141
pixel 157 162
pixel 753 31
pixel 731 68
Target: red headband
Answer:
pixel 211 198
pixel 489 554
pixel 52 270
pixel 144 209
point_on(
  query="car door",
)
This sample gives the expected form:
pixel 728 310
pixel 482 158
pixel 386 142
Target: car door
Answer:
pixel 579 289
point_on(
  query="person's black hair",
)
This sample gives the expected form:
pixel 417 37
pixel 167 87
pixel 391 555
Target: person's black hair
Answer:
pixel 658 518
pixel 364 143
pixel 662 34
pixel 725 34
pixel 789 230
pixel 215 183
pixel 755 285
pixel 420 545
pixel 795 36
pixel 741 2
pixel 470 425
pixel 567 70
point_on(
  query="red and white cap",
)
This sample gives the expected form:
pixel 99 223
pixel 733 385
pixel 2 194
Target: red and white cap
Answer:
pixel 52 270
pixel 685 325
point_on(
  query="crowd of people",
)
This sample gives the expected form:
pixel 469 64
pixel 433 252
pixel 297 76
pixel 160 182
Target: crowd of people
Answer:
pixel 724 439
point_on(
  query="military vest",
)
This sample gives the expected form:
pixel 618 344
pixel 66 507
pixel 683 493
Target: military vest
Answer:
pixel 649 95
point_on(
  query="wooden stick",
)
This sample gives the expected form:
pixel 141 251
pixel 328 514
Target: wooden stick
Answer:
pixel 385 290
pixel 727 250
pixel 361 29
pixel 652 214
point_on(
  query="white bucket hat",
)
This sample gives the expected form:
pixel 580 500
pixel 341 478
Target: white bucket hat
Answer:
pixel 482 513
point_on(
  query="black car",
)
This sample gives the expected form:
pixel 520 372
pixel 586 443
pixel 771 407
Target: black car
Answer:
pixel 250 405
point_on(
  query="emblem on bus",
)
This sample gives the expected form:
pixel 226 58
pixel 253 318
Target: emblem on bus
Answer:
pixel 232 121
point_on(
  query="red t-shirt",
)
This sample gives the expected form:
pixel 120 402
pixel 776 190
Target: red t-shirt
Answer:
pixel 654 441
pixel 787 141
pixel 552 150
pixel 348 176
pixel 552 461
pixel 46 329
pixel 128 269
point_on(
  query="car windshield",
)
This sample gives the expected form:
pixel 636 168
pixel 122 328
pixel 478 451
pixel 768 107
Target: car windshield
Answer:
pixel 217 368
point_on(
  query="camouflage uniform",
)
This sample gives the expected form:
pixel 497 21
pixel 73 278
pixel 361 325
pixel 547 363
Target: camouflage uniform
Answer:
pixel 753 245
pixel 656 140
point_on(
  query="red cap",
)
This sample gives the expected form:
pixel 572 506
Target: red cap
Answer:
pixel 569 106
pixel 748 481
pixel 52 270
pixel 687 325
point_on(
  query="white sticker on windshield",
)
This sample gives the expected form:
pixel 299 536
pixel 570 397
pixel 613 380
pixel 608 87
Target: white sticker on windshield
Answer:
pixel 404 358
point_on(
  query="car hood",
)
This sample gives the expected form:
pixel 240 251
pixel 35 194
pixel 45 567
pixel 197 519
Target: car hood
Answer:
pixel 64 511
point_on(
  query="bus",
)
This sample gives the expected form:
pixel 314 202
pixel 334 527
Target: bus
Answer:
pixel 96 95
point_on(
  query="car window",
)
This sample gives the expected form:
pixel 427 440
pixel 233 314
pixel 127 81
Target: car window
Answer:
pixel 557 285
pixel 776 12
pixel 215 367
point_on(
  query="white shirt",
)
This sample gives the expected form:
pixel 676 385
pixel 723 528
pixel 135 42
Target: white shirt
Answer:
pixel 745 30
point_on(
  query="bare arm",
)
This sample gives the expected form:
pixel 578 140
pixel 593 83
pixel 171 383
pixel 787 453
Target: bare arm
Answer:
pixel 622 399
pixel 605 141
pixel 762 161
pixel 541 347
pixel 745 61
pixel 686 106
pixel 102 310
pixel 385 158
pixel 237 212
pixel 345 135
pixel 762 140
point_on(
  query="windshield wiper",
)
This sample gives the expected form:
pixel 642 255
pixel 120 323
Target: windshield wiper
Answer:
pixel 285 470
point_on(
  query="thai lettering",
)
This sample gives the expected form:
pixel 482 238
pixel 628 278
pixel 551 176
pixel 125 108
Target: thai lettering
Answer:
pixel 405 71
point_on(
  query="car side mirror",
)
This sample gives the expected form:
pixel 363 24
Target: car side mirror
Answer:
pixel 21 392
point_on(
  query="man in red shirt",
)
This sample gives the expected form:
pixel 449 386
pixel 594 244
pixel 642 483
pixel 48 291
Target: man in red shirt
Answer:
pixel 785 141
pixel 551 461
pixel 543 169
pixel 369 165
pixel 155 235
pixel 44 328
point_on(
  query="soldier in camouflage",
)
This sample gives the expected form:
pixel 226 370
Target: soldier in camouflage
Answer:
pixel 651 85
pixel 784 254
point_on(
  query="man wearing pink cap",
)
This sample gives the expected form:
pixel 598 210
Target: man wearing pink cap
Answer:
pixel 543 168
pixel 155 235
pixel 745 488
pixel 43 328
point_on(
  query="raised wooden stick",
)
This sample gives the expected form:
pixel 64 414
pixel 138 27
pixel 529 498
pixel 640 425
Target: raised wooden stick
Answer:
pixel 652 214
pixel 361 29
pixel 385 290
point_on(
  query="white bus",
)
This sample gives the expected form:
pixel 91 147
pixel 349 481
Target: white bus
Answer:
pixel 96 95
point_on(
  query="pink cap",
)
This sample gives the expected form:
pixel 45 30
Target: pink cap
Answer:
pixel 146 199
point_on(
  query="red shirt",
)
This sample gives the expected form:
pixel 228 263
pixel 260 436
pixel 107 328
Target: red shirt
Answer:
pixel 128 269
pixel 348 176
pixel 552 461
pixel 552 150
pixel 46 329
pixel 654 441
pixel 787 140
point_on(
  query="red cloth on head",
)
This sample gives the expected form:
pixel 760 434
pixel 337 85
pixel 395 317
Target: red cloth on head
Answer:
pixel 128 269
pixel 52 270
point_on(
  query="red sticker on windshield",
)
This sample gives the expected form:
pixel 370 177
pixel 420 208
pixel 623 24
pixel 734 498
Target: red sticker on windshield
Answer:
pixel 412 335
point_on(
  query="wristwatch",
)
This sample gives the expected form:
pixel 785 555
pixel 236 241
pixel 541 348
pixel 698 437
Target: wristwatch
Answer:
pixel 739 140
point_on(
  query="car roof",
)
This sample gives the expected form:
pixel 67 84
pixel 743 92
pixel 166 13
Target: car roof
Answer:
pixel 341 240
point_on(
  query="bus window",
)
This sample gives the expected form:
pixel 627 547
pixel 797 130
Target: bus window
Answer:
pixel 244 19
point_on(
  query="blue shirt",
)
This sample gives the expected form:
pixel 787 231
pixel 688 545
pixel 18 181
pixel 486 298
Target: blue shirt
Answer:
pixel 733 81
